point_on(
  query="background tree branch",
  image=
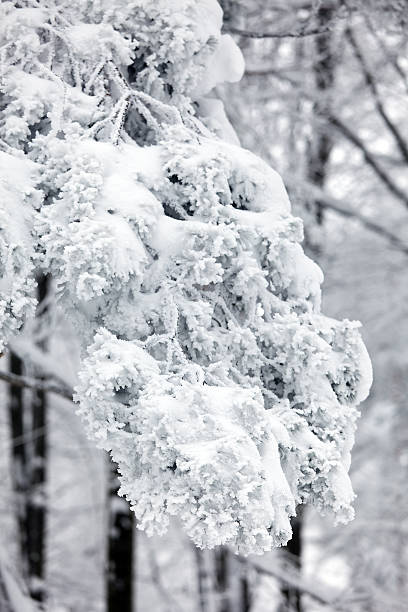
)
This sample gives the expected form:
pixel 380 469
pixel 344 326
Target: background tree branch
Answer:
pixel 341 208
pixel 36 384
pixel 371 84
pixel 302 33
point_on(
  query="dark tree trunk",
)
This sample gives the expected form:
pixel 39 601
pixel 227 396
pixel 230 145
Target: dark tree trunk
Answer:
pixel 201 580
pixel 29 458
pixel 292 597
pixel 245 595
pixel 204 581
pixel 36 498
pixel 37 476
pixel 120 563
pixel 19 458
pixel 232 586
pixel 321 144
pixel 222 562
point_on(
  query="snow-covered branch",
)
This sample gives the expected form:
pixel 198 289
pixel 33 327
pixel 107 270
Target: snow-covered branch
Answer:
pixel 208 371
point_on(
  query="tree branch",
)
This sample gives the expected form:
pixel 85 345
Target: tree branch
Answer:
pixel 369 157
pixel 391 57
pixel 298 34
pixel 283 575
pixel 346 132
pixel 331 204
pixel 59 370
pixel 38 385
pixel 267 72
pixel 371 84
pixel 12 596
pixel 5 602
pixel 337 206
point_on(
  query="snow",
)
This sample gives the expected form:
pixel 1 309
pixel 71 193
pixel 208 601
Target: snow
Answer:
pixel 87 38
pixel 226 66
pixel 366 377
pixel 211 111
pixel 13 20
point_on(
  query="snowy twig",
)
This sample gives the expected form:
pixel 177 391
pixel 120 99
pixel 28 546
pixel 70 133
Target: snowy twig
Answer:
pixel 140 100
pixel 165 109
pixel 96 71
pixel 74 64
pixel 110 119
pixel 120 120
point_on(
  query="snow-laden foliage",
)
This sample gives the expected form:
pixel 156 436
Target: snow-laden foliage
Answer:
pixel 223 394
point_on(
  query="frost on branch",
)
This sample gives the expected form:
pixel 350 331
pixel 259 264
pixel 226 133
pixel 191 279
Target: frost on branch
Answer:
pixel 208 371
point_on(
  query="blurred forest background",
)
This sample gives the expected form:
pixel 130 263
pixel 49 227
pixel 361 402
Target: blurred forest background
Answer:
pixel 324 100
